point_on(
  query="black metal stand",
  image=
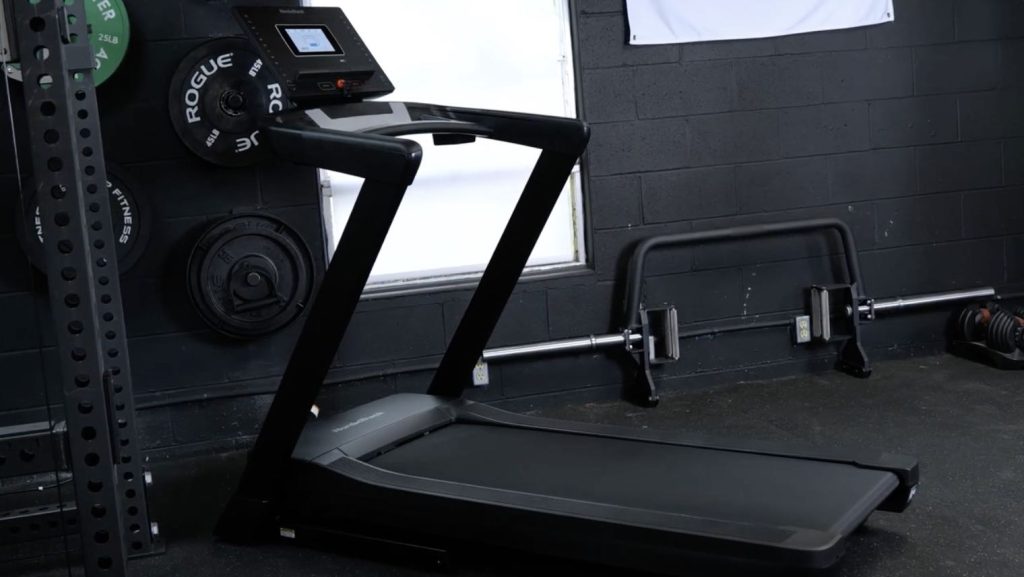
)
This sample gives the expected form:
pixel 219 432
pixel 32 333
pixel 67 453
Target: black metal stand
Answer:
pixel 85 297
pixel 852 358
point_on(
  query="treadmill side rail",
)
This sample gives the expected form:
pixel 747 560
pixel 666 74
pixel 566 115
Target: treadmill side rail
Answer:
pixel 374 427
pixel 904 468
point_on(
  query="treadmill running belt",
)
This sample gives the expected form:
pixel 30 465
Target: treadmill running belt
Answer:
pixel 710 483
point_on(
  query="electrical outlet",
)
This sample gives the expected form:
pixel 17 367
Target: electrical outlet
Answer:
pixel 803 330
pixel 481 375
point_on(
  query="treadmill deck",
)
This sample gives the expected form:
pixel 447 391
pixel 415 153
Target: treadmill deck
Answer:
pixel 680 480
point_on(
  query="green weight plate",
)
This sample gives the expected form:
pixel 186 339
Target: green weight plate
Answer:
pixel 109 33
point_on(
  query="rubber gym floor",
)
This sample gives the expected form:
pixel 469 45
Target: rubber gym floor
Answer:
pixel 964 421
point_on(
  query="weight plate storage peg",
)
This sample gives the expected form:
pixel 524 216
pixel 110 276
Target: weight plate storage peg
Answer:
pixel 218 95
pixel 250 275
pixel 129 212
pixel 109 34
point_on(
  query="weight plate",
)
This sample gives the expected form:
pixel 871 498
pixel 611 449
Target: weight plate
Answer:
pixel 218 95
pixel 129 212
pixel 250 275
pixel 109 34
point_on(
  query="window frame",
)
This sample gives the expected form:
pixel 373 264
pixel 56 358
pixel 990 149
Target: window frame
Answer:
pixel 581 218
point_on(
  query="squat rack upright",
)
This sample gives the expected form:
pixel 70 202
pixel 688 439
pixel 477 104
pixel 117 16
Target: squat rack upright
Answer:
pixel 49 38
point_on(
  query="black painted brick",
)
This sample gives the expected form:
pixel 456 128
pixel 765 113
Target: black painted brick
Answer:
pixel 334 399
pixel 933 267
pixel 993 114
pixel 910 121
pixel 214 19
pixel 598 6
pixel 1013 63
pixel 44 335
pixel 157 142
pixel 782 184
pixel 139 91
pixel 561 373
pixel 613 249
pixel 734 137
pixel 7 152
pixel 20 329
pixel 989 19
pixel 609 94
pixel 873 174
pixel 398 333
pixel 917 22
pixel 698 296
pixel 1013 161
pixel 155 20
pixel 219 419
pixel 828 41
pixel 689 194
pixel 16 273
pixel 742 349
pixel 153 306
pixel 603 44
pixel 623 147
pixel 782 286
pixel 958 67
pixel 143 78
pixel 419 381
pixel 524 320
pixel 918 219
pixel 962 166
pixel 825 129
pixel 684 89
pixel 168 362
pixel 909 328
pixel 10 202
pixel 728 49
pixel 23 381
pixel 194 188
pixel 868 74
pixel 614 201
pixel 584 309
pixel 994 212
pixel 154 428
pixel 778 81
pixel 859 217
pixel 1015 259
pixel 282 185
pixel 170 243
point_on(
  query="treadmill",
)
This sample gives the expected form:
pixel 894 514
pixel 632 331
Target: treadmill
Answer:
pixel 435 471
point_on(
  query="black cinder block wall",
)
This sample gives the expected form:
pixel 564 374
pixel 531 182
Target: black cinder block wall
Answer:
pixel 911 132
pixel 173 355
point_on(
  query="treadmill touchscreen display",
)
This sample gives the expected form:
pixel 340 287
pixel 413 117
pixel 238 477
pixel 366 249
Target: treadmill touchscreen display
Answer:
pixel 310 40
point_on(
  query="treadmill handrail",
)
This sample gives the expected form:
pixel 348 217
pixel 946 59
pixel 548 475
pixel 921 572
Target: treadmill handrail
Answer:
pixel 389 165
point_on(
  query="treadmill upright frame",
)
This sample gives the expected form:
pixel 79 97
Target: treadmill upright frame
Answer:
pixel 389 165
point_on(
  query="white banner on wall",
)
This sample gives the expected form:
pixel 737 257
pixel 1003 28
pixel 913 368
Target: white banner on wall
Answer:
pixel 671 21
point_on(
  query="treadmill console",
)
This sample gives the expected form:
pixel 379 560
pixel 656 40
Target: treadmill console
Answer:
pixel 316 52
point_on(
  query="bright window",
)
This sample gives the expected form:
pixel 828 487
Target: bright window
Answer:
pixel 515 56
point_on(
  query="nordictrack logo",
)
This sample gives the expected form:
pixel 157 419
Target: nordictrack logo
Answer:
pixel 357 422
